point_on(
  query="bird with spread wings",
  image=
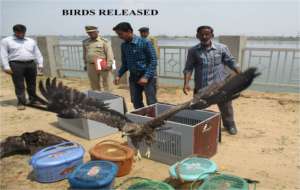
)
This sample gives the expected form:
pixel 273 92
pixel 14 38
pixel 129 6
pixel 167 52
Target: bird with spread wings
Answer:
pixel 70 103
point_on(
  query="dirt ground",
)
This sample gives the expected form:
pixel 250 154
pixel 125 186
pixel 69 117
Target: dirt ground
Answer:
pixel 266 147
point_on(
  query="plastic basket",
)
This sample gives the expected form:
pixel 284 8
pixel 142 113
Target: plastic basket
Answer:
pixel 115 152
pixel 93 175
pixel 192 168
pixel 224 182
pixel 138 183
pixel 54 163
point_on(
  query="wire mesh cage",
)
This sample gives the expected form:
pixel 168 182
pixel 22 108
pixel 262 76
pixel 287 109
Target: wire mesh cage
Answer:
pixel 191 132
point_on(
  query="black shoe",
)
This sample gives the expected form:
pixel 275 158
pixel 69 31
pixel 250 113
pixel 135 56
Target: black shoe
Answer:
pixel 21 107
pixel 34 103
pixel 231 130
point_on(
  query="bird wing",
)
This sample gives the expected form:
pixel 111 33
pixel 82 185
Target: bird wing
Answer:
pixel 224 91
pixel 68 102
pixel 28 143
pixel 213 94
pixel 71 103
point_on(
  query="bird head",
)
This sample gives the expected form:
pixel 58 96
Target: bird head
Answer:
pixel 12 145
pixel 132 129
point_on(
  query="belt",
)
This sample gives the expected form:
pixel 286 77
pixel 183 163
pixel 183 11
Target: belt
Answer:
pixel 16 61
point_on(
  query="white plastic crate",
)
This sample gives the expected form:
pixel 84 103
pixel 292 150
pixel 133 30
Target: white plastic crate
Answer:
pixel 192 132
pixel 91 129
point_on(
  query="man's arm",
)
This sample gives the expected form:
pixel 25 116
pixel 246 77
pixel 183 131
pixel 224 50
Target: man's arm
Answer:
pixel 38 55
pixel 84 55
pixel 151 55
pixel 4 55
pixel 188 71
pixel 124 66
pixel 229 60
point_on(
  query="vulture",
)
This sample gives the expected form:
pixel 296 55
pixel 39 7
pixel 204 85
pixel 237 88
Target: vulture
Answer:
pixel 215 93
pixel 28 143
pixel 70 103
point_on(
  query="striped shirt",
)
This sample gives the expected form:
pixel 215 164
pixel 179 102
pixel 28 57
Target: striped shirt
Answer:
pixel 139 57
pixel 209 64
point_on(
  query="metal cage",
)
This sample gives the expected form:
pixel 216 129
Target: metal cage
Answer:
pixel 191 132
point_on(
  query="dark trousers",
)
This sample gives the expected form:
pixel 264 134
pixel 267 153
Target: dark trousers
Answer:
pixel 28 71
pixel 136 91
pixel 226 110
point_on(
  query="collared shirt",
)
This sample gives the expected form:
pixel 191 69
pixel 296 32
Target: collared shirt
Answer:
pixel 209 64
pixel 98 48
pixel 15 49
pixel 139 57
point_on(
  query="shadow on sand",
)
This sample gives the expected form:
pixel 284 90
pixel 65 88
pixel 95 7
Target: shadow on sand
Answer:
pixel 10 102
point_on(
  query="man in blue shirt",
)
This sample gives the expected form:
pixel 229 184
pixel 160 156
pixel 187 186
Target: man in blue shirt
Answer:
pixel 139 57
pixel 209 61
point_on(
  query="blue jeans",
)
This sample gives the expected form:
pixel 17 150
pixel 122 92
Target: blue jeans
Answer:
pixel 136 91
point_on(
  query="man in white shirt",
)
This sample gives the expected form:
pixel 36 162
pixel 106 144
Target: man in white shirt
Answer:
pixel 20 56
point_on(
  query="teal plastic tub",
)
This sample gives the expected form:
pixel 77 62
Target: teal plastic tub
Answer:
pixel 192 168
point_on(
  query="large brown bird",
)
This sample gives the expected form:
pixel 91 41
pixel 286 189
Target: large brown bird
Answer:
pixel 28 143
pixel 213 94
pixel 70 103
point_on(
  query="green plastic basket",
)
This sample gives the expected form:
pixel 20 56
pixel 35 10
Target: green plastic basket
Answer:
pixel 224 182
pixel 192 168
pixel 138 183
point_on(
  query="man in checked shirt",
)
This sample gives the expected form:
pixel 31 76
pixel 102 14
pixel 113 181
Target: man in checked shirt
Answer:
pixel 209 60
pixel 139 57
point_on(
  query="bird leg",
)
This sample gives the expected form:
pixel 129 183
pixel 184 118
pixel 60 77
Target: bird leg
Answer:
pixel 148 152
pixel 138 155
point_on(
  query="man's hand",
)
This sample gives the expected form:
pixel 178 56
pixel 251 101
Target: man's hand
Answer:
pixel 108 68
pixel 238 71
pixel 40 71
pixel 40 68
pixel 8 71
pixel 117 80
pixel 143 81
pixel 186 89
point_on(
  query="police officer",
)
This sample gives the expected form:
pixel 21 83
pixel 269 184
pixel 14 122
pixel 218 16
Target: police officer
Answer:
pixel 144 33
pixel 95 47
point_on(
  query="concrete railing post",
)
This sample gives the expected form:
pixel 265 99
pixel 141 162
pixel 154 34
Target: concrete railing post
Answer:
pixel 116 47
pixel 236 44
pixel 46 45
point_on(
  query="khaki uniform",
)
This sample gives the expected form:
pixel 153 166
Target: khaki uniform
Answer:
pixel 99 48
pixel 153 41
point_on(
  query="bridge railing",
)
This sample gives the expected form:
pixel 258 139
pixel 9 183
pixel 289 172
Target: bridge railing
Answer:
pixel 280 67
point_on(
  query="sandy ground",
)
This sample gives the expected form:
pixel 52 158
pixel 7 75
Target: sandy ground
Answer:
pixel 266 147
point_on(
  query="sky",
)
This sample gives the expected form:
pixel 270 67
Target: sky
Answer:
pixel 176 17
